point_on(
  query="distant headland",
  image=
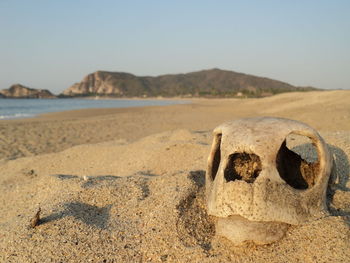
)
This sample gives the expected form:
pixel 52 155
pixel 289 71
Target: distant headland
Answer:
pixel 21 91
pixel 205 83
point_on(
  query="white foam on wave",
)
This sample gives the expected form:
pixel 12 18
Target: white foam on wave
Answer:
pixel 15 116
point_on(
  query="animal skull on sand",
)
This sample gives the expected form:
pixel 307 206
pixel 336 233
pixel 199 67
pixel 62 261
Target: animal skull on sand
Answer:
pixel 257 187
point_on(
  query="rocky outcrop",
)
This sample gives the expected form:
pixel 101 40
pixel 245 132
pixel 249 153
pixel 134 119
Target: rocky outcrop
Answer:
pixel 20 91
pixel 101 83
pixel 210 83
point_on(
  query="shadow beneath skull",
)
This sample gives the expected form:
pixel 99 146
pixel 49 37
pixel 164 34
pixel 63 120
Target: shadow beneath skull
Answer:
pixel 88 214
pixel 341 169
pixel 338 184
pixel 194 226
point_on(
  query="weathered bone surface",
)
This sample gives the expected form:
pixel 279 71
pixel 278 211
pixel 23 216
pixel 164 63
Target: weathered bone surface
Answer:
pixel 256 186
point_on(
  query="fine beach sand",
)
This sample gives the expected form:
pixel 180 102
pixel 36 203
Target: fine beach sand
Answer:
pixel 126 185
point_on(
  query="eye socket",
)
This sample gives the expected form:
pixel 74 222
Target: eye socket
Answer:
pixel 297 161
pixel 216 156
pixel 243 166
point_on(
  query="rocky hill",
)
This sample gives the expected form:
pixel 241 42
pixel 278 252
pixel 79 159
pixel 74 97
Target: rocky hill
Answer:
pixel 205 83
pixel 20 91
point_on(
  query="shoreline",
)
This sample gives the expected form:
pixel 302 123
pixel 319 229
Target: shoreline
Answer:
pixel 183 100
pixel 133 103
pixel 57 131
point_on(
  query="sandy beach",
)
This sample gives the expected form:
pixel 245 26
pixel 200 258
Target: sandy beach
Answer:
pixel 126 185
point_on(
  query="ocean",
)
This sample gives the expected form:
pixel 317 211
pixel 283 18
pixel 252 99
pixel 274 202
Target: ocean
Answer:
pixel 25 108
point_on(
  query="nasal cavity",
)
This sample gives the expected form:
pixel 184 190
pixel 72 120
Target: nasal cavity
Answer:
pixel 243 166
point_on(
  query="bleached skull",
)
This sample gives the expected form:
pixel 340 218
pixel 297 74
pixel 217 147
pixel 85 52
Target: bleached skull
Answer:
pixel 257 187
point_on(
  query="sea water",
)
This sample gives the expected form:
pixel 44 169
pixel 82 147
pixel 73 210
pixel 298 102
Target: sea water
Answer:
pixel 24 108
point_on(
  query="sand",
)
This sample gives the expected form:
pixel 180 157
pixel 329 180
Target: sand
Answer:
pixel 126 185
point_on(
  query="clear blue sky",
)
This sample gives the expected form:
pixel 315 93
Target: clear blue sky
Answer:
pixel 52 44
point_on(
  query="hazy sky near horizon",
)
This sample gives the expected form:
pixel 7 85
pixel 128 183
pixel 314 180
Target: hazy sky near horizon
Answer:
pixel 53 44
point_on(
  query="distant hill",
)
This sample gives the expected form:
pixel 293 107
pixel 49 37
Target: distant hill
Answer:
pixel 205 83
pixel 20 91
